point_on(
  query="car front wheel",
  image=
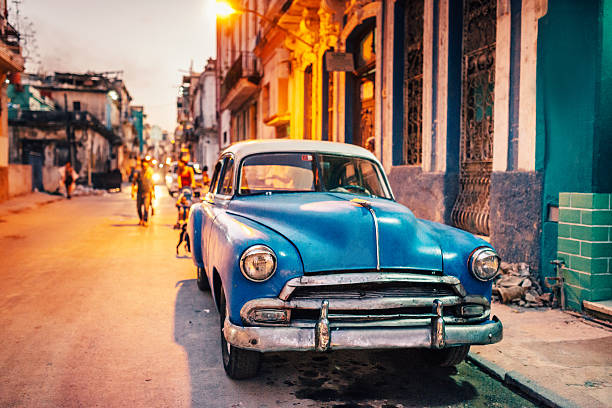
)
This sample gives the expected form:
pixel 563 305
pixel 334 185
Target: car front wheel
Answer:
pixel 238 363
pixel 448 357
pixel 202 280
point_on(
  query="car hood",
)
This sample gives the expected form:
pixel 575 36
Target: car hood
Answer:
pixel 332 233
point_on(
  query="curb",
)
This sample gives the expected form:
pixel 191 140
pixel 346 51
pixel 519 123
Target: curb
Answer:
pixel 518 382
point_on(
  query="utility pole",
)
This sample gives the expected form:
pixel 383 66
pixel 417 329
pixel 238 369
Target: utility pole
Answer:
pixel 68 132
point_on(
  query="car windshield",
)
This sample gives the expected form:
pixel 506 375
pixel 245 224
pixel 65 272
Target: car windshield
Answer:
pixel 303 172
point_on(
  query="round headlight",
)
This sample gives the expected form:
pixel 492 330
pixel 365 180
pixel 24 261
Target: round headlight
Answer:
pixel 484 264
pixel 258 263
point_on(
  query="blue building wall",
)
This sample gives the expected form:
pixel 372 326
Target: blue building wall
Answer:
pixel 573 126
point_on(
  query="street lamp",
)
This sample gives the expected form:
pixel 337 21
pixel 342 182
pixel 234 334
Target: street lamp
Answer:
pixel 224 9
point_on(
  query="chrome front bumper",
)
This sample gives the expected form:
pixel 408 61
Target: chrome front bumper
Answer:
pixel 266 339
pixel 339 328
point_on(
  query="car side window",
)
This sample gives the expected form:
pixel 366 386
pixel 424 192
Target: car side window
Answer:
pixel 213 183
pixel 227 185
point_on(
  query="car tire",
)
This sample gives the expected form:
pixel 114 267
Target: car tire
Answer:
pixel 448 357
pixel 202 280
pixel 239 364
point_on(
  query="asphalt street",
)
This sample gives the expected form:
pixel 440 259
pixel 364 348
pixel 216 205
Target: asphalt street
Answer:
pixel 98 311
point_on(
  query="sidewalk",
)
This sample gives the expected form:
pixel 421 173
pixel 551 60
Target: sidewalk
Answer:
pixel 15 205
pixel 554 357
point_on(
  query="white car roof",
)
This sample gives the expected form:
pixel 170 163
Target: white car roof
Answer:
pixel 247 148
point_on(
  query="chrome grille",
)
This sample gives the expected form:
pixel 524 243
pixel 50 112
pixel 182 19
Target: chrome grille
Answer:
pixel 372 290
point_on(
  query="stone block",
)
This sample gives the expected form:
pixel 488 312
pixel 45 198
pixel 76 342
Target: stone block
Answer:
pixel 569 246
pixel 565 258
pixel 601 294
pixel 564 199
pixel 585 281
pixel 588 233
pixel 572 296
pixel 564 230
pixel 595 217
pixel 571 277
pixel 589 265
pixel 601 201
pixel 569 215
pixel 573 304
pixel 596 249
pixel 601 281
pixel 581 200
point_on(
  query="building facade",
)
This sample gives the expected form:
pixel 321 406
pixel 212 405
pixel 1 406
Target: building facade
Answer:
pixel 239 73
pixel 197 129
pixel 203 106
pixel 84 118
pixel 11 62
pixel 481 111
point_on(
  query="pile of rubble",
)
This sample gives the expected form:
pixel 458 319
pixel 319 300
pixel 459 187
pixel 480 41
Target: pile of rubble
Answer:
pixel 516 284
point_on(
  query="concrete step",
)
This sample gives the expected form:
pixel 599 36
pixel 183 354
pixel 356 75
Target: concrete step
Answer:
pixel 601 309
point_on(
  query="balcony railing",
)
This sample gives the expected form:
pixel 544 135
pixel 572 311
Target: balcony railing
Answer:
pixel 246 66
pixel 9 36
pixel 59 119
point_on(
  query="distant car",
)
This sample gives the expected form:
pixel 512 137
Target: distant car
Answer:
pixel 172 178
pixel 305 248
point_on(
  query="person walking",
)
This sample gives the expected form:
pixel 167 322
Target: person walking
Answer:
pixel 205 178
pixel 142 188
pixel 69 177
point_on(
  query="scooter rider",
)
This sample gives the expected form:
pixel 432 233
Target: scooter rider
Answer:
pixel 185 175
pixel 186 183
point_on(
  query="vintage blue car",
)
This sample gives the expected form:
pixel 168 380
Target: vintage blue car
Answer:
pixel 305 248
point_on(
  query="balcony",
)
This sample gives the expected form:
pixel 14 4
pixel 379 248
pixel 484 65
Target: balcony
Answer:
pixel 10 50
pixel 241 81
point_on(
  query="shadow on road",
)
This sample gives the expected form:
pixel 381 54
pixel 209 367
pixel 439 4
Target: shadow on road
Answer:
pixel 125 225
pixel 339 377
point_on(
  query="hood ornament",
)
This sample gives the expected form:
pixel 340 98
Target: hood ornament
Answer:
pixel 368 206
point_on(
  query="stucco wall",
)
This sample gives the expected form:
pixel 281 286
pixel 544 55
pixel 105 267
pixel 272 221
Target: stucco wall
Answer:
pixel 428 195
pixel 3 183
pixel 51 178
pixel 515 221
pixel 19 179
pixel 573 123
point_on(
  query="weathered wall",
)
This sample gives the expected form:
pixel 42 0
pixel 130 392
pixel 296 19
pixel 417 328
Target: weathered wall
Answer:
pixel 93 102
pixel 19 179
pixel 602 170
pixel 51 178
pixel 3 183
pixel 515 204
pixel 568 101
pixel 428 195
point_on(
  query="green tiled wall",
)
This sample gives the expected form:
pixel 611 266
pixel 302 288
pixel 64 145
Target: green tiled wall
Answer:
pixel 585 244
